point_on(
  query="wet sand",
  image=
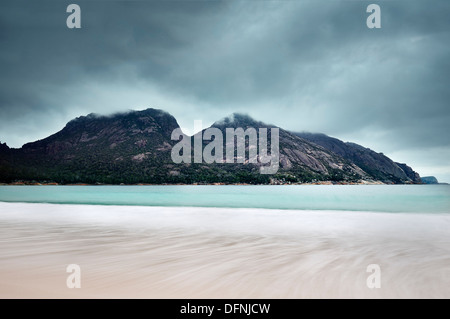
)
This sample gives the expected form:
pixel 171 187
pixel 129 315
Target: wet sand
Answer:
pixel 181 252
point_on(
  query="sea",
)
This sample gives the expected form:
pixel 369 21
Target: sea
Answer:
pixel 226 241
pixel 368 198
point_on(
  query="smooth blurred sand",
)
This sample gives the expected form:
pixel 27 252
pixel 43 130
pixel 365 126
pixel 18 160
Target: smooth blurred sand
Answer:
pixel 180 252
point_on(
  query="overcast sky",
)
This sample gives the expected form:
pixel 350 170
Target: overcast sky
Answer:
pixel 302 65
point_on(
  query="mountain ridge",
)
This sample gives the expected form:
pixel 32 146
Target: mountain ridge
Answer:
pixel 135 147
pixel 376 164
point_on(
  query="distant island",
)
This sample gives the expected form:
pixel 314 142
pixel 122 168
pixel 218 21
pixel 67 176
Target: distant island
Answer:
pixel 135 148
pixel 431 180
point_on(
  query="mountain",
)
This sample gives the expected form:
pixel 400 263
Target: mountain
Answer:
pixel 376 165
pixel 135 147
pixel 121 148
pixel 300 159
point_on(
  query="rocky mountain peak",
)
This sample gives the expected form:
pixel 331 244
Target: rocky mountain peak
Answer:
pixel 135 147
pixel 239 120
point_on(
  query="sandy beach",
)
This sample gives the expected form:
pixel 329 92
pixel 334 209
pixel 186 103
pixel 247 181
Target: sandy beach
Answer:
pixel 187 252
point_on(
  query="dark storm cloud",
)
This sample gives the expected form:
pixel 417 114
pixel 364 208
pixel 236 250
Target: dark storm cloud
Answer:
pixel 303 65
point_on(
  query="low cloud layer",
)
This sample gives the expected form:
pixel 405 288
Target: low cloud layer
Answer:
pixel 302 65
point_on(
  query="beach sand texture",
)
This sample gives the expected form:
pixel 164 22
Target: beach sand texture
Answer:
pixel 187 252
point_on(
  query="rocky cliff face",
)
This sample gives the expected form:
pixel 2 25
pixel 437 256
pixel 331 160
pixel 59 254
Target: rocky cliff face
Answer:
pixel 128 132
pixel 135 147
pixel 299 157
pixel 412 175
pixel 376 165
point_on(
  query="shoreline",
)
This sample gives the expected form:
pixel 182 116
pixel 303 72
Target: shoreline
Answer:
pixel 214 184
pixel 223 208
pixel 190 252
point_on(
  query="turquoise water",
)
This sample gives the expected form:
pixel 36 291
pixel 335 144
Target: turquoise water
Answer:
pixel 377 198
